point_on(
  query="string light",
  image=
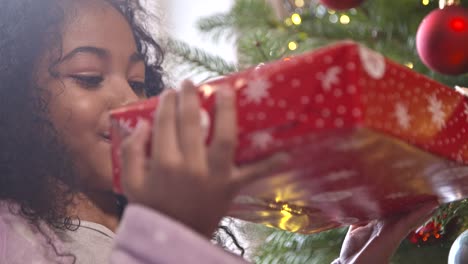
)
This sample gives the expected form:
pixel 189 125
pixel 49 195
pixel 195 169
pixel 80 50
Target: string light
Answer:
pixel 292 45
pixel 296 19
pixel 344 19
pixel 299 3
pixel 444 3
pixel 425 2
pixel 409 65
pixel 207 90
pixel 288 22
pixel 285 217
pixel 321 11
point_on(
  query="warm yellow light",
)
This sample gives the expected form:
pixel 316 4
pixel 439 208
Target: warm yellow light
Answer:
pixel 425 2
pixel 283 222
pixel 288 21
pixel 286 208
pixel 344 19
pixel 292 45
pixel 265 214
pixel 207 90
pixel 409 65
pixel 296 19
pixel 299 3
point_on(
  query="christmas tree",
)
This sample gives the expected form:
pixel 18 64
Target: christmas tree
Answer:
pixel 275 29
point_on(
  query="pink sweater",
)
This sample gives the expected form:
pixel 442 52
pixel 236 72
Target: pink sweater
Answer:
pixel 144 237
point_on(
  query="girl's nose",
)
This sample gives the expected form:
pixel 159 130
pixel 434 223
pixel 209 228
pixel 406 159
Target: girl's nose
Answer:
pixel 123 94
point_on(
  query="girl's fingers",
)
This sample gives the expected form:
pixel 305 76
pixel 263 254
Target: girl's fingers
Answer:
pixel 389 233
pixel 253 172
pixel 221 152
pixel 165 148
pixel 133 155
pixel 359 226
pixel 355 239
pixel 189 129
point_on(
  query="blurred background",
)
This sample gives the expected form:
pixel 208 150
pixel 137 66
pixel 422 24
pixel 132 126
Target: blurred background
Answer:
pixel 179 20
pixel 181 24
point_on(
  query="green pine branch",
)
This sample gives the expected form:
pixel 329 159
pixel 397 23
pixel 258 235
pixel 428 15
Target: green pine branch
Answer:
pixel 197 61
pixel 286 247
pixel 218 26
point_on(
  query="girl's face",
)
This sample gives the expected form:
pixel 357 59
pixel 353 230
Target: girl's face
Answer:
pixel 100 70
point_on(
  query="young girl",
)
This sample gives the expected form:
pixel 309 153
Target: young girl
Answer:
pixel 64 65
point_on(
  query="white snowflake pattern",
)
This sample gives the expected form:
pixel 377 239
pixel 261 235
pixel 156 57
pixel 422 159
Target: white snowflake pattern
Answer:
pixel 397 195
pixel 257 90
pixel 331 196
pixel 460 157
pixel 435 107
pixel 340 175
pixel 402 115
pixel 351 144
pixel 466 111
pixel 125 126
pixel 462 90
pixel 372 62
pixel 330 77
pixel 261 140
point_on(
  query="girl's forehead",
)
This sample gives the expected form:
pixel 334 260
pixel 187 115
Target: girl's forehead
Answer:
pixel 77 12
pixel 97 23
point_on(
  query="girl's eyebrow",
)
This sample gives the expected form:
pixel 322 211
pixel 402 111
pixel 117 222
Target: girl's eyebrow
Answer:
pixel 102 53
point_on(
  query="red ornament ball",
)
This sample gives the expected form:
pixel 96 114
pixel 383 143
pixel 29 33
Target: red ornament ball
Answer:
pixel 341 4
pixel 442 40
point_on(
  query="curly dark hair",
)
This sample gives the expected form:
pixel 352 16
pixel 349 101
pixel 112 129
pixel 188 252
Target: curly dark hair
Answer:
pixel 35 171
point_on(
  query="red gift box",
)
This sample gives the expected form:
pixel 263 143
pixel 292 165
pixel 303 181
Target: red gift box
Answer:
pixel 368 138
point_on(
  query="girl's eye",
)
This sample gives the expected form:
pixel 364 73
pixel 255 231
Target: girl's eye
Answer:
pixel 138 87
pixel 88 81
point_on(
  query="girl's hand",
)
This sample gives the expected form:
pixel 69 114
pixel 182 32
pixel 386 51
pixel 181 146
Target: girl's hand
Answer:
pixel 377 241
pixel 184 179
